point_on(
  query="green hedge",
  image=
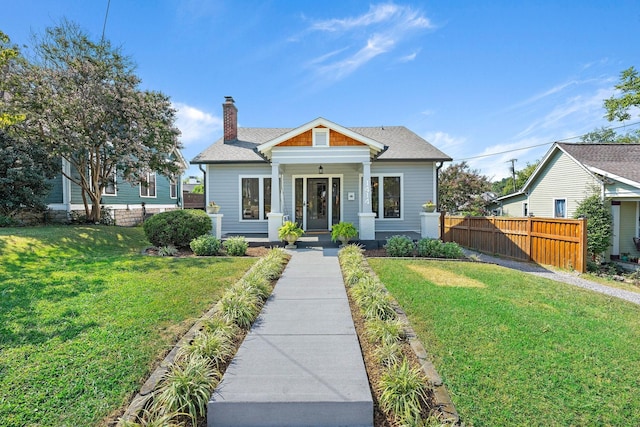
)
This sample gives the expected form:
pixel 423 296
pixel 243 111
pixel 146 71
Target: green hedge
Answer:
pixel 177 227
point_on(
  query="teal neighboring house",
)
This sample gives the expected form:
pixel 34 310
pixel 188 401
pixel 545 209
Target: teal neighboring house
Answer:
pixel 128 204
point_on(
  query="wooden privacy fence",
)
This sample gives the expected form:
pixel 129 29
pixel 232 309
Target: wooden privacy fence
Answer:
pixel 552 241
pixel 193 201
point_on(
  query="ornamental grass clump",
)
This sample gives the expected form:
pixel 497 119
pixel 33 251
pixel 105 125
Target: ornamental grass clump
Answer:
pixel 399 246
pixel 403 391
pixel 213 346
pixel 219 326
pixel 236 246
pixel 186 388
pixel 151 419
pixel 388 354
pixel 239 308
pixel 383 332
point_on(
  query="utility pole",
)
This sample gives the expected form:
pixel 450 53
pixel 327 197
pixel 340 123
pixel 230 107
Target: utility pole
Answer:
pixel 513 172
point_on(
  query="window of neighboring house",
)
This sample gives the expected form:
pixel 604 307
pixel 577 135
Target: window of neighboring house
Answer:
pixel 321 137
pixel 525 209
pixel 148 185
pixel 110 187
pixel 256 198
pixel 386 196
pixel 173 188
pixel 560 208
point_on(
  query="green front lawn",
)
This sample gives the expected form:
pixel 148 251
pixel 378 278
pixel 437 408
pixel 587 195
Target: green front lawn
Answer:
pixel 515 349
pixel 84 317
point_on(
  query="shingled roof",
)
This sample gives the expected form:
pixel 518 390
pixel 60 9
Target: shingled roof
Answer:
pixel 402 144
pixel 616 160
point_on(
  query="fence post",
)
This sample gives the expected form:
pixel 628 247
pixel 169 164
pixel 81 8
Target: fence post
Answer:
pixel 582 264
pixel 529 239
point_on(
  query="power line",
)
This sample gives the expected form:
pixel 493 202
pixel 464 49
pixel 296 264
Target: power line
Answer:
pixel 104 26
pixel 537 145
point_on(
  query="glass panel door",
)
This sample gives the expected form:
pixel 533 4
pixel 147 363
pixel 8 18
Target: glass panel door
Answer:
pixel 317 208
pixel 335 200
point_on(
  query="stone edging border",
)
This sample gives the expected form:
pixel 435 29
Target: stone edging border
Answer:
pixel 440 393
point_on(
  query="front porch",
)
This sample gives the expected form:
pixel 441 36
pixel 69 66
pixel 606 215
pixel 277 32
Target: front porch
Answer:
pixel 323 239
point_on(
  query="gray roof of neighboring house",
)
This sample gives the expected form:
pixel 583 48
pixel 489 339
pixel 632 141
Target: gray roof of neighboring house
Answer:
pixel 622 160
pixel 402 144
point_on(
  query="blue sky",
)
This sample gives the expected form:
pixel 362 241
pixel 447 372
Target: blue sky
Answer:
pixel 473 78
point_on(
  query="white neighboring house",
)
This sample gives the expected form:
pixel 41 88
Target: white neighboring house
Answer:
pixel 319 174
pixel 568 173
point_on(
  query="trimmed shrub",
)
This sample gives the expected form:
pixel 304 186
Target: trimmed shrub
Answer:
pixel 434 248
pixel 177 227
pixel 399 246
pixel 236 246
pixel 205 245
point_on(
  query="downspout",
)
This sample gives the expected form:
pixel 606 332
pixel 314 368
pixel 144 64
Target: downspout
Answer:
pixel 204 185
pixel 437 196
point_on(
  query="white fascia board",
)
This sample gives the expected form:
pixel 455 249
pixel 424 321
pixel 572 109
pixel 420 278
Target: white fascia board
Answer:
pixel 613 176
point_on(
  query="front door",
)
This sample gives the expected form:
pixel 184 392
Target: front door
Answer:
pixel 317 204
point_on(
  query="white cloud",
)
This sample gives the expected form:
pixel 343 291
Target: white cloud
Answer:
pixel 196 125
pixel 378 31
pixel 410 57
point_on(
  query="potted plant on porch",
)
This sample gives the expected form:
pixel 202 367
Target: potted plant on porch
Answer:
pixel 429 206
pixel 212 208
pixel 290 232
pixel 343 231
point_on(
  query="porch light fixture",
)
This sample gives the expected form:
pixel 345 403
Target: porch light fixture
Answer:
pixel 320 170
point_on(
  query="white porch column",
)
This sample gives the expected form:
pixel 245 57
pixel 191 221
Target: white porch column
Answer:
pixel 275 216
pixel 366 187
pixel 430 225
pixel 367 218
pixel 216 225
pixel 275 187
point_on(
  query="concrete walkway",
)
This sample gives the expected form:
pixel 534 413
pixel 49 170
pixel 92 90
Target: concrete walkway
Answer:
pixel 301 363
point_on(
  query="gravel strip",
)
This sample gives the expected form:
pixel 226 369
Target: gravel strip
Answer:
pixel 559 276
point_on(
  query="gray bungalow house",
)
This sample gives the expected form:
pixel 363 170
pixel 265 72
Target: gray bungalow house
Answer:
pixel 568 173
pixel 127 203
pixel 319 174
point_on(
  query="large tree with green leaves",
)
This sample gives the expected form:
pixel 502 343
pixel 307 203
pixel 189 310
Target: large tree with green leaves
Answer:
pixel 83 104
pixel 619 105
pixel 461 190
pixel 9 57
pixel 609 136
pixel 24 170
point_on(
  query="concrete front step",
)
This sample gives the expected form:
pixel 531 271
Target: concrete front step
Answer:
pixel 301 364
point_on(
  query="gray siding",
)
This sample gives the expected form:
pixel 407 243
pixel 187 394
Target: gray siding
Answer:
pixel 418 185
pixel 55 194
pixel 562 178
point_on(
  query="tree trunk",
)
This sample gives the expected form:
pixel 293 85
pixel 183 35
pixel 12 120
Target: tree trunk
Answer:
pixel 95 208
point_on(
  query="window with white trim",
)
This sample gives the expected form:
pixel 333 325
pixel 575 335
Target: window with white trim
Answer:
pixel 110 186
pixel 560 208
pixel 255 198
pixel 173 188
pixel 148 185
pixel 321 137
pixel 386 196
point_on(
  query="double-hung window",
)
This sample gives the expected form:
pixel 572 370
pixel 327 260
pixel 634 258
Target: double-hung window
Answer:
pixel 256 198
pixel 560 208
pixel 173 188
pixel 386 196
pixel 148 185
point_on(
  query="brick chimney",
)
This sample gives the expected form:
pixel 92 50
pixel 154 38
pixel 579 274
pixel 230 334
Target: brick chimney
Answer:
pixel 230 119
